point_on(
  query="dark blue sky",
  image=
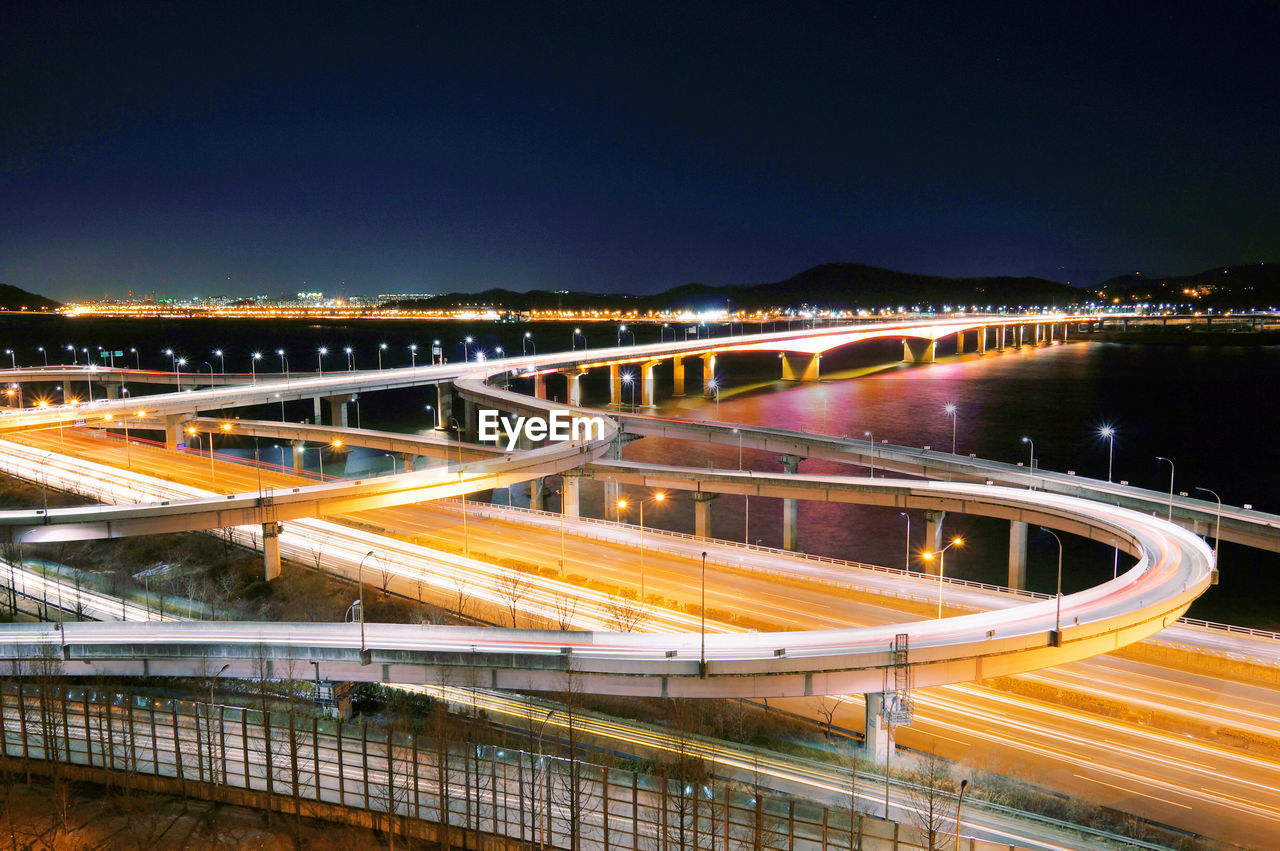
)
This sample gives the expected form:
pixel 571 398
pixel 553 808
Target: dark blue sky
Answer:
pixel 610 147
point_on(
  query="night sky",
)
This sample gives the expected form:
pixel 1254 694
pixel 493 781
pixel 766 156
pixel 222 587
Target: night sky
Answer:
pixel 203 148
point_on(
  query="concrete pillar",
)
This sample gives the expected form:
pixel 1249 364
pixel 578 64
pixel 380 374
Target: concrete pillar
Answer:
pixel 296 452
pixel 112 390
pixel 612 490
pixel 573 387
pixel 677 376
pixel 615 385
pixel 790 507
pixel 173 434
pixel 1051 333
pixel 982 340
pixel 918 351
pixel 271 550
pixel 648 383
pixel 1022 333
pixel 959 342
pixel 876 741
pixel 537 494
pixel 1018 555
pixel 569 482
pixel 338 410
pixel 933 538
pixel 315 404
pixel 539 386
pixel 444 404
pixel 801 367
pixel 702 513
pixel 708 373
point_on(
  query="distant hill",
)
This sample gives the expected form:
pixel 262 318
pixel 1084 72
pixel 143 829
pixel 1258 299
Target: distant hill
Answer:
pixel 1256 285
pixel 831 285
pixel 12 298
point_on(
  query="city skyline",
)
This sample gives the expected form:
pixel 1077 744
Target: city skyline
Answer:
pixel 432 150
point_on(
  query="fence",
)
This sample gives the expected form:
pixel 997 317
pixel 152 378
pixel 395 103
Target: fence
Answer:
pixel 426 784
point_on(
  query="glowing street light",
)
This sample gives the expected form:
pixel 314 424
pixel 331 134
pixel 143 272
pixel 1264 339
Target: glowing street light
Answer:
pixel 942 567
pixel 382 347
pixel 951 410
pixel 526 341
pixel 622 506
pixel 1162 458
pixel 1056 638
pixel 1217 524
pixel 320 353
pixel 253 366
pixel 1031 477
pixel 221 360
pixel 351 359
pixel 573 340
pixel 1110 434
pixel 413 354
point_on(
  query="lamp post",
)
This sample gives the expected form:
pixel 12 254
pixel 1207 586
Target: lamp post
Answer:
pixel 622 505
pixel 360 581
pixel 72 349
pixel 393 462
pixel 253 365
pixel 1110 434
pixel 466 540
pixel 465 354
pixel 622 329
pixel 1217 524
pixel 738 432
pixel 413 354
pixel 527 341
pixel 1162 458
pixel 1056 638
pixel 137 359
pixel 715 388
pixel 320 353
pixel 209 719
pixel 560 493
pixel 351 359
pixel 222 361
pixel 41 350
pixel 942 566
pixel 964 784
pixel 906 562
pixel 13 359
pixel 629 380
pixel 951 409
pixel 1031 476
pixel 382 347
pixel 573 340
pixel 871 450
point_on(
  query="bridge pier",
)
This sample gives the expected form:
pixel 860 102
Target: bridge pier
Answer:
pixel 295 451
pixel 918 351
pixel 615 386
pixel 933 538
pixel 573 385
pixel 539 386
pixel 876 739
pixel 612 490
pixel 337 410
pixel 677 376
pixel 468 418
pixel 444 404
pixel 959 342
pixel 702 513
pixel 648 383
pixel 982 340
pixel 708 374
pixel 569 493
pixel 537 494
pixel 1018 555
pixel 315 407
pixel 800 367
pixel 173 430
pixel 271 550
pixel 790 507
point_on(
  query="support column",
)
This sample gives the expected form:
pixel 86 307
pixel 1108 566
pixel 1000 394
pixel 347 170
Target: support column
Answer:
pixel 677 376
pixel 1018 555
pixel 444 404
pixel 1022 335
pixel 612 490
pixel 315 405
pixel 648 383
pixel 801 367
pixel 982 340
pixel 537 494
pixel 173 430
pixel 539 386
pixel 569 483
pixel 918 351
pixel 876 740
pixel 295 451
pixel 933 538
pixel 113 391
pixel 959 342
pixel 573 386
pixel 702 513
pixel 708 373
pixel 615 386
pixel 271 550
pixel 338 410
pixel 790 507
pixel 468 418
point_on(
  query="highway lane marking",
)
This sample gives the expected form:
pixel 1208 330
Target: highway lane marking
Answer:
pixel 1132 791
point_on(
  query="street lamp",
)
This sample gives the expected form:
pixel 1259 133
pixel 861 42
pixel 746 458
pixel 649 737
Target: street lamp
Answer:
pixel 622 505
pixel 1056 638
pixel 137 359
pixel 907 561
pixel 351 359
pixel 951 409
pixel 964 784
pixel 41 350
pixel 1217 525
pixel 1031 477
pixel 871 450
pixel 715 388
pixel 364 650
pixel 382 347
pixel 621 330
pixel 72 349
pixel 465 343
pixel 222 361
pixel 413 355
pixel 629 380
pixel 942 566
pixel 320 353
pixel 702 659
pixel 177 366
pixel 1162 458
pixel 466 540
pixel 573 340
pixel 1110 434
pixel 253 366
pixel 527 341
pixel 209 718
pixel 13 359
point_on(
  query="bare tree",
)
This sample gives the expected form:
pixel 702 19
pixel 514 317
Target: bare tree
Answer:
pixel 826 707
pixel 513 586
pixel 564 607
pixel 931 795
pixel 626 611
pixel 463 587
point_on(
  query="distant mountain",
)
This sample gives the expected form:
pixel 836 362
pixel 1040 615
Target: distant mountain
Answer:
pixel 1256 285
pixel 831 285
pixel 12 298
